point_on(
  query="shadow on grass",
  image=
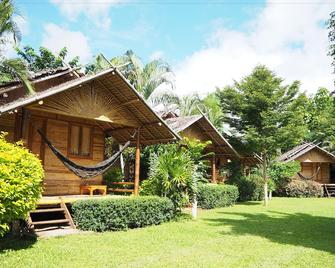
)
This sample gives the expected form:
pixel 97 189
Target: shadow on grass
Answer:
pixel 298 229
pixel 10 243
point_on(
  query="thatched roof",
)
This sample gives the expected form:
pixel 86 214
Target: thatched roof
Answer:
pixel 106 98
pixel 219 144
pixel 300 150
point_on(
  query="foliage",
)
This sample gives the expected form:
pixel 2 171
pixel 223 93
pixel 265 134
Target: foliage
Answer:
pixel 265 114
pixel 188 105
pixel 44 59
pixel 301 188
pixel 321 119
pixel 113 214
pixel 21 174
pixel 154 80
pixel 331 36
pixel 174 174
pixel 114 174
pixel 212 108
pixel 280 173
pixel 216 195
pixel 11 69
pixel 196 149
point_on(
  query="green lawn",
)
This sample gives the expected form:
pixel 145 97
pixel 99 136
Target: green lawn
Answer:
pixel 290 233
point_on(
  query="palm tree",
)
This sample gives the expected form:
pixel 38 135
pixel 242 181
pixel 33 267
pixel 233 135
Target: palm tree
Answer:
pixel 11 68
pixel 154 80
pixel 188 105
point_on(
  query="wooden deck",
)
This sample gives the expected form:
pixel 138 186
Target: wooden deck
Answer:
pixel 48 200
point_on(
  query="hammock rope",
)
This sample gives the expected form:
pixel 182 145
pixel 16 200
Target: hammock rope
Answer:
pixel 84 172
pixel 310 177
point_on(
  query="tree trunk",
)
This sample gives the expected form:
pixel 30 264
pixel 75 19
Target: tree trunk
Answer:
pixel 194 207
pixel 16 228
pixel 265 179
pixel 270 195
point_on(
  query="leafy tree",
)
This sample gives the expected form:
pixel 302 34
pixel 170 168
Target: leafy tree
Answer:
pixel 212 108
pixel 176 170
pixel 188 105
pixel 44 59
pixel 281 173
pixel 154 80
pixel 321 119
pixel 21 174
pixel 331 36
pixel 11 69
pixel 265 114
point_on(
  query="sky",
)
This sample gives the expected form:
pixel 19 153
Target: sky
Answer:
pixel 209 44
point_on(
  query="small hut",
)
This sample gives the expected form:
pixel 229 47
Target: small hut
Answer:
pixel 199 127
pixel 316 163
pixel 76 113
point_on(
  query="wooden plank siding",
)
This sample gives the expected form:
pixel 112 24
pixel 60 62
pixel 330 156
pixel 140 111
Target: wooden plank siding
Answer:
pixel 58 179
pixel 310 162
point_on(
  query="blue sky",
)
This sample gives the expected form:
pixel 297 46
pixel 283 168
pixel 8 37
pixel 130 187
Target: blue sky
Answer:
pixel 208 43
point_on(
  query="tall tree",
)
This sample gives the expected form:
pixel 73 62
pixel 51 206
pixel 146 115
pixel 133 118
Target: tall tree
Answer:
pixel 212 108
pixel 321 119
pixel 11 69
pixel 44 58
pixel 331 36
pixel 265 114
pixel 154 80
pixel 188 105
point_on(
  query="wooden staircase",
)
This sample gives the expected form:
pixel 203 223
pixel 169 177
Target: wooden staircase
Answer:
pixel 329 189
pixel 50 216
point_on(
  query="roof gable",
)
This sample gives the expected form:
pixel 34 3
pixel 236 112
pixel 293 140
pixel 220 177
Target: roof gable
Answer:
pixel 106 97
pixel 298 153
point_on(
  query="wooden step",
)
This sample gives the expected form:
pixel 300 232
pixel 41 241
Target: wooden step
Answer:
pixel 43 210
pixel 50 222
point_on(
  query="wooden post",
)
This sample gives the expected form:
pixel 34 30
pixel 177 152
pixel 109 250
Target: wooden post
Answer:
pixel 213 169
pixel 137 164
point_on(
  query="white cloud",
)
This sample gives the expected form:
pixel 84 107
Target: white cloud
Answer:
pixel 23 24
pixel 156 55
pixel 289 38
pixel 77 44
pixel 8 49
pixel 97 11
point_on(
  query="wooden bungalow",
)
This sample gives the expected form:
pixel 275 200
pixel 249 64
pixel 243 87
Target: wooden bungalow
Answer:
pixel 76 113
pixel 199 127
pixel 316 163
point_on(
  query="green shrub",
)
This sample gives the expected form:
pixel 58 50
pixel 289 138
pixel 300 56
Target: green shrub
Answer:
pixel 216 195
pixel 21 174
pixel 119 214
pixel 301 188
pixel 172 174
pixel 250 188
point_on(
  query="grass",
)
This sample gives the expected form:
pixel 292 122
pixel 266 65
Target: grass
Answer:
pixel 289 233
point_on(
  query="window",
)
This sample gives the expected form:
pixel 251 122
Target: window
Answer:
pixel 80 141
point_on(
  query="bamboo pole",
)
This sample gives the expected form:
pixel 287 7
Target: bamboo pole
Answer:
pixel 137 164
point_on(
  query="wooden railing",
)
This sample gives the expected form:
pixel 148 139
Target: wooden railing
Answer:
pixel 122 190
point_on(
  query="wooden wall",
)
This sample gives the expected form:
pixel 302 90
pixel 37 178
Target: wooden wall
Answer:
pixel 309 169
pixel 312 160
pixel 58 179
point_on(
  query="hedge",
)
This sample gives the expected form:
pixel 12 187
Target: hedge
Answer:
pixel 301 188
pixel 113 214
pixel 216 195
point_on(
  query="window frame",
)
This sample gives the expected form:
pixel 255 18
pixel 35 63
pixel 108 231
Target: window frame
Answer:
pixel 79 155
